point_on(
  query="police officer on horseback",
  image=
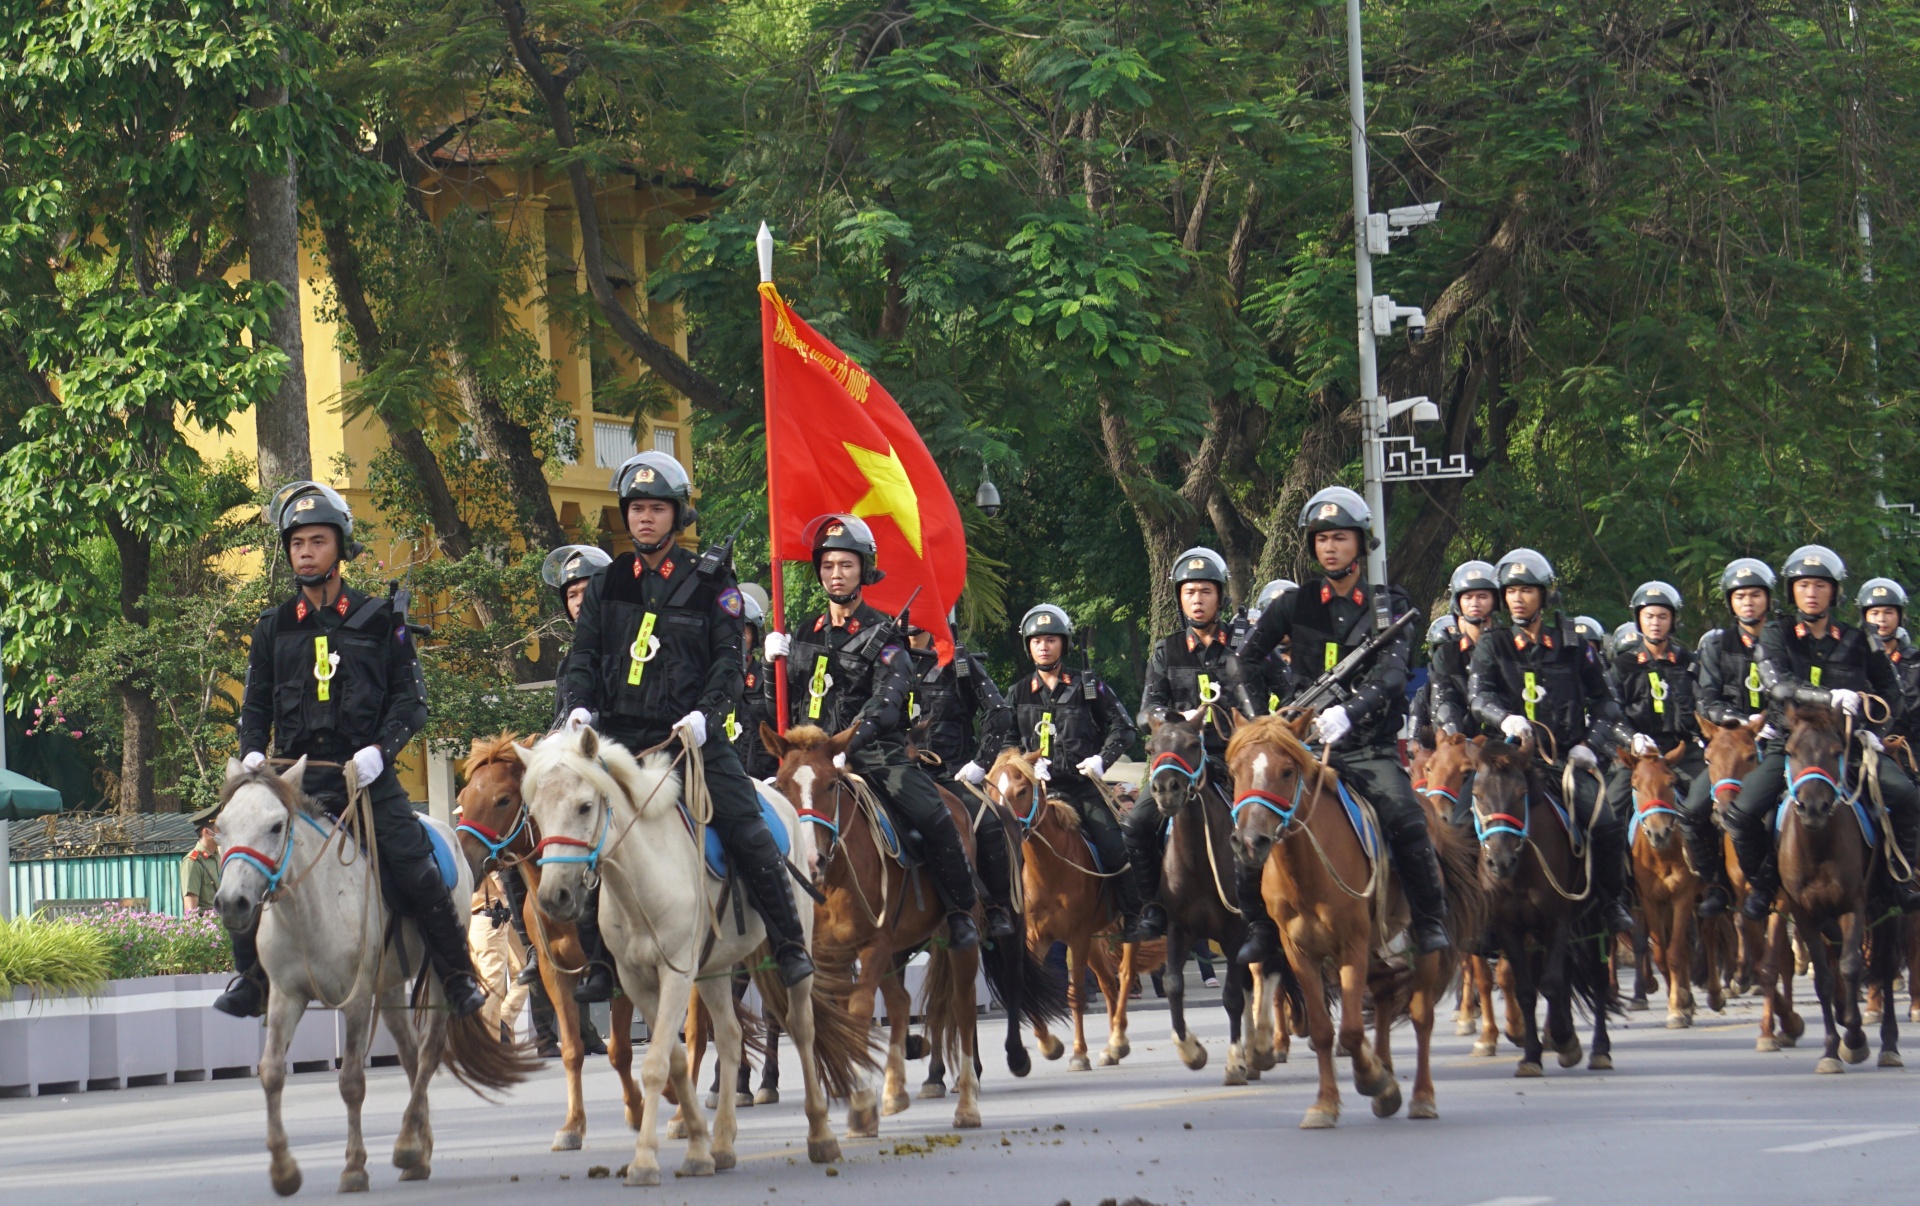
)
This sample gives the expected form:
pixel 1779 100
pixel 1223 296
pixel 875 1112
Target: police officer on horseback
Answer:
pixel 757 701
pixel 1812 658
pixel 1472 597
pixel 1654 681
pixel 332 677
pixel 848 668
pixel 1728 692
pixel 1883 613
pixel 1076 722
pixel 1276 671
pixel 1188 671
pixel 1326 620
pixel 1539 674
pixel 657 647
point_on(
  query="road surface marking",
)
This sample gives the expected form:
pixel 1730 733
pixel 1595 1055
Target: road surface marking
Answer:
pixel 1190 1098
pixel 1514 1202
pixel 1853 1140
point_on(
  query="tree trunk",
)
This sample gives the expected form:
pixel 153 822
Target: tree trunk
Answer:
pixel 511 446
pixel 273 255
pixel 139 723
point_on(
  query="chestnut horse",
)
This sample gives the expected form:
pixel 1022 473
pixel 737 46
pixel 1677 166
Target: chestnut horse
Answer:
pixel 1668 887
pixel 1731 756
pixel 1442 785
pixel 495 831
pixel 1540 888
pixel 1338 905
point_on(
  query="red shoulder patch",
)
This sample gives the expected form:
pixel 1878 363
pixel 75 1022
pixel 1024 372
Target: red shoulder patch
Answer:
pixel 853 625
pixel 300 610
pixel 340 605
pixel 666 568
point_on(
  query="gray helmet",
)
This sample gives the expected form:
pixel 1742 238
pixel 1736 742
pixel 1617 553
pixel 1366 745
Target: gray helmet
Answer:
pixel 1441 632
pixel 1813 561
pixel 1337 507
pixel 754 605
pixel 1656 594
pixel 1525 567
pixel 1200 564
pixel 656 475
pixel 1590 630
pixel 303 504
pixel 1046 620
pixel 1471 575
pixel 1882 592
pixel 570 563
pixel 1743 573
pixel 848 534
pixel 1269 595
pixel 1624 637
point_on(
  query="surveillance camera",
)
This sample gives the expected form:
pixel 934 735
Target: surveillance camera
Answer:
pixel 1403 217
pixel 1416 326
pixel 1426 417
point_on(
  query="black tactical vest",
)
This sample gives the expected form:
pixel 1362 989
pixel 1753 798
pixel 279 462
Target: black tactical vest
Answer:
pixel 330 685
pixel 654 658
pixel 828 686
pixel 1739 668
pixel 1550 678
pixel 1059 723
pixel 1656 695
pixel 1320 640
pixel 937 697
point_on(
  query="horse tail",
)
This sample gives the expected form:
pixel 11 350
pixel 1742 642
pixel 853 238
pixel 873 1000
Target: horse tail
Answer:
pixel 1467 907
pixel 481 1060
pixel 843 1048
pixel 1588 973
pixel 1026 985
pixel 945 1016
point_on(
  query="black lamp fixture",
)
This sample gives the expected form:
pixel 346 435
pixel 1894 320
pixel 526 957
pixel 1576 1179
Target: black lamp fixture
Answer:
pixel 987 497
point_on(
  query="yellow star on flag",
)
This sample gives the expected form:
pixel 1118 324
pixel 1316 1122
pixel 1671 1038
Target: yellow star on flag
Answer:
pixel 889 492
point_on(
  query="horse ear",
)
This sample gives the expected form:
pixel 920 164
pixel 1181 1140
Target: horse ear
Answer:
pixel 1626 757
pixel 1154 724
pixel 775 743
pixel 1673 756
pixel 589 743
pixel 1299 724
pixel 515 751
pixel 235 769
pixel 297 773
pixel 1708 729
pixel 1478 742
pixel 1755 725
pixel 838 743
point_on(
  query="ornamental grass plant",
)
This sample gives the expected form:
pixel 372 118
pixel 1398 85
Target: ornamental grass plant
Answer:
pixel 52 957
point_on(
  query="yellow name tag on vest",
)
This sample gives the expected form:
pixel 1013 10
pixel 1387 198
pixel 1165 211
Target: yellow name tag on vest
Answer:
pixel 1658 691
pixel 817 689
pixel 1206 694
pixel 1531 694
pixel 1333 656
pixel 1753 686
pixel 642 651
pixel 1046 734
pixel 733 726
pixel 322 670
pixel 1816 676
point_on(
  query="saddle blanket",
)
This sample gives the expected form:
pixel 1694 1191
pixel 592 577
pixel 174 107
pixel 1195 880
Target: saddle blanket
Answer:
pixel 717 853
pixel 445 855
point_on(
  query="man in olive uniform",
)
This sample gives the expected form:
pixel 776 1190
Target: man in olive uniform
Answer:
pixel 1812 658
pixel 848 668
pixel 1189 670
pixel 1654 681
pixel 200 870
pixel 657 650
pixel 1883 611
pixel 1076 722
pixel 1326 621
pixel 332 677
pixel 1539 671
pixel 1728 692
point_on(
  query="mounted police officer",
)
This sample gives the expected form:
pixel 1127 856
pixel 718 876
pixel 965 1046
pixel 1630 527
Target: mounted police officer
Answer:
pixel 1076 722
pixel 657 648
pixel 1472 598
pixel 1276 671
pixel 1327 620
pixel 1187 671
pixel 1590 630
pixel 1728 692
pixel 332 677
pixel 1654 682
pixel 1812 658
pixel 568 569
pixel 848 668
pixel 1883 611
pixel 1540 672
pixel 757 701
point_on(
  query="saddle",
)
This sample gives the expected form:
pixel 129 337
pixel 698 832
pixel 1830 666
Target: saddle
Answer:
pixel 716 852
pixel 900 842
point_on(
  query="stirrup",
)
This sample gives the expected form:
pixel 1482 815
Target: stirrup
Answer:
pixel 793 963
pixel 999 923
pixel 962 933
pixel 1713 902
pixel 595 986
pixel 1152 923
pixel 1758 906
pixel 1263 943
pixel 464 995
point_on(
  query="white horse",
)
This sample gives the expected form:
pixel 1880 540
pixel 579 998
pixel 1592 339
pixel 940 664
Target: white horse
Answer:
pixel 322 940
pixel 670 929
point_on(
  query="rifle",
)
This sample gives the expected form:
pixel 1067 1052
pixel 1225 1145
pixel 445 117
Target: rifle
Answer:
pixel 1333 685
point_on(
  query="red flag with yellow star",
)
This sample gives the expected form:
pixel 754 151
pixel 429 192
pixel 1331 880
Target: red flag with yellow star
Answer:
pixel 838 442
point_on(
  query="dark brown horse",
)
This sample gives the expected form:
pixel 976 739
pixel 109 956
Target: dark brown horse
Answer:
pixel 1540 894
pixel 1442 783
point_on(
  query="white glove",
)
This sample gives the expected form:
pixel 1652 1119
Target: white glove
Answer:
pixel 972 773
pixel 1092 767
pixel 1193 715
pixel 578 719
pixel 697 721
pixel 1644 745
pixel 368 764
pixel 778 645
pixel 1847 701
pixel 1871 741
pixel 1756 716
pixel 1331 725
pixel 1044 768
pixel 1516 727
pixel 1583 758
pixel 1768 732
pixel 253 760
pixel 840 761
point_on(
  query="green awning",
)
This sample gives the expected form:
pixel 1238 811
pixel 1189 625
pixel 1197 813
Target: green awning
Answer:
pixel 21 797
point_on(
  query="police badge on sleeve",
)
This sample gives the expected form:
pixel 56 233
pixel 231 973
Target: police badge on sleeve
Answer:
pixel 730 602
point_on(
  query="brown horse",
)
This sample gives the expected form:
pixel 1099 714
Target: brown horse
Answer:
pixel 1067 900
pixel 495 831
pixel 1545 921
pixel 1827 868
pixel 1766 950
pixel 1339 905
pixel 1442 784
pixel 1668 887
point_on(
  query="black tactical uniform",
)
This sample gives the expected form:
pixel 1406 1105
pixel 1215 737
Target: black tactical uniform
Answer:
pixel 1799 667
pixel 955 708
pixel 654 644
pixel 1655 688
pixel 1449 708
pixel 324 682
pixel 1555 680
pixel 1885 592
pixel 756 700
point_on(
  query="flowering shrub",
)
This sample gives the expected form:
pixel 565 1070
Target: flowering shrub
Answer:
pixel 154 944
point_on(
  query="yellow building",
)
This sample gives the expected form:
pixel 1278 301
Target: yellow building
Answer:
pixel 530 205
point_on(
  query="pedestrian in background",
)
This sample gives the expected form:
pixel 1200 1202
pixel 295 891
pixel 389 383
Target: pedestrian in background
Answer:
pixel 200 871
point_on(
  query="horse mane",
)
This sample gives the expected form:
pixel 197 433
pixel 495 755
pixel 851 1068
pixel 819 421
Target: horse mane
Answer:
pixel 289 796
pixel 1272 730
pixel 1815 715
pixel 614 771
pixel 807 737
pixel 1500 756
pixel 1014 757
pixel 490 749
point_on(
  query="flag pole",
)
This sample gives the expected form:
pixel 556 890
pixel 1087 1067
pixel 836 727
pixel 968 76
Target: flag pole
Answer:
pixel 776 592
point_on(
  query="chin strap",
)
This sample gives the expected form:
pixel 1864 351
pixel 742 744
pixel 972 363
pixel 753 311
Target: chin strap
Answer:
pixel 317 579
pixel 844 601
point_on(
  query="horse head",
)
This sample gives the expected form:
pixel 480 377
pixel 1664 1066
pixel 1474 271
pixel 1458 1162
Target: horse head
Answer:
pixel 813 779
pixel 1016 783
pixel 1445 777
pixel 492 811
pixel 258 812
pixel 1272 769
pixel 579 789
pixel 1502 800
pixel 1656 809
pixel 1816 763
pixel 1177 762
pixel 1732 753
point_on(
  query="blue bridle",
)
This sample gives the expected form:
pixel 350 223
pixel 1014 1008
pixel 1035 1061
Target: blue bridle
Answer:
pixel 275 869
pixel 486 837
pixel 1271 802
pixel 592 856
pixel 1818 775
pixel 1503 822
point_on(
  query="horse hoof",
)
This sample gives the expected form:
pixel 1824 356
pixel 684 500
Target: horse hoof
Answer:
pixel 1320 1119
pixel 1423 1110
pixel 407 1157
pixel 1018 1061
pixel 1528 1069
pixel 1766 1043
pixel 929 1091
pixel 1253 1074
pixel 677 1129
pixel 565 1141
pixel 916 1048
pixel 896 1103
pixel 965 1119
pixel 1678 1021
pixel 743 1100
pixel 1870 1018
pixel 1600 1062
pixel 863 1124
pixel 1235 1075
pixel 1079 1063
pixel 1854 1055
pixel 823 1151
pixel 353 1181
pixel 418 1172
pixel 1105 1059
pixel 1264 1059
pixel 1571 1054
pixel 722 1161
pixel 1387 1103
pixel 1463 1028
pixel 1484 1049
pixel 1890 1059
pixel 1121 1049
pixel 1794 1026
pixel 1193 1053
pixel 286 1183
pixel 638 1176
pixel 1052 1047
pixel 767 1097
pixel 1829 1066
pixel 1638 1005
pixel 691 1167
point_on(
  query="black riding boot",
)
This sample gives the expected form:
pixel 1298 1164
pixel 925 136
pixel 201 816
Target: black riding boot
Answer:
pixel 1610 875
pixel 1263 936
pixel 764 872
pixel 1753 846
pixel 996 872
pixel 1146 879
pixel 953 876
pixel 516 889
pixel 1905 823
pixel 246 994
pixel 596 980
pixel 444 931
pixel 1703 843
pixel 1425 890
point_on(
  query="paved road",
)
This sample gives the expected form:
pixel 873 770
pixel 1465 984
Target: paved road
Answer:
pixel 1694 1116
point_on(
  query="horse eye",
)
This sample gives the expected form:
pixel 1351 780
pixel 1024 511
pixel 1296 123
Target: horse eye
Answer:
pixel 584 809
pixel 503 801
pixel 276 828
